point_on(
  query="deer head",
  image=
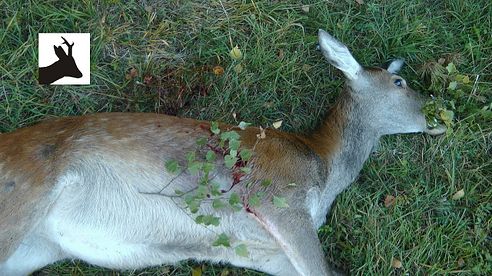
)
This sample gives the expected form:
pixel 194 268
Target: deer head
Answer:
pixel 388 104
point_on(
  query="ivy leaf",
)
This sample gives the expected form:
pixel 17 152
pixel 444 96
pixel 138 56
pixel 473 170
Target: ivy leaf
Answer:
pixel 214 128
pixel 211 220
pixel 201 141
pixel 243 125
pixel 211 156
pixel 230 161
pixel 208 167
pixel 218 204
pixel 280 202
pixel 222 240
pixel 241 250
pixel 229 135
pixel 194 167
pixel 215 189
pixel 246 170
pixel 245 154
pixel 254 200
pixel 234 144
pixel 190 157
pixel 234 199
pixel 266 182
pixel 172 166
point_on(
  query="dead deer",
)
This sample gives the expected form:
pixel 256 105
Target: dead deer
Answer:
pixel 64 67
pixel 91 187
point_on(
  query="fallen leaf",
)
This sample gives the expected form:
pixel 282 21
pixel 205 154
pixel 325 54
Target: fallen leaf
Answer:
pixel 196 271
pixel 262 134
pixel 131 74
pixel 395 263
pixel 280 54
pixel 459 194
pixel 306 67
pixel 234 115
pixel 235 53
pixel 218 70
pixel 225 272
pixel 238 68
pixel 305 8
pixel 441 61
pixel 461 262
pixel 277 124
pixel 280 202
pixel 148 79
pixel 389 200
pixel 360 2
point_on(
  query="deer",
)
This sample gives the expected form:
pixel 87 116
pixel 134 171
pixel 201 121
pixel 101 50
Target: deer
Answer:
pixel 92 187
pixel 65 66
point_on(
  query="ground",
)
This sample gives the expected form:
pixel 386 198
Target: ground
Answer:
pixel 399 217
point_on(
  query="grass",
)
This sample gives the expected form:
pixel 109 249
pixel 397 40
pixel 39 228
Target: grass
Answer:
pixel 175 45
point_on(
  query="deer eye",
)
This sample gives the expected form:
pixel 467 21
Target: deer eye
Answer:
pixel 398 82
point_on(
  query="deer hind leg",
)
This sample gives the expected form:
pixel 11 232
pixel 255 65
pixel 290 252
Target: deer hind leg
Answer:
pixel 33 253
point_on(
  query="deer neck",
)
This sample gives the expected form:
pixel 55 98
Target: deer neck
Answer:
pixel 347 140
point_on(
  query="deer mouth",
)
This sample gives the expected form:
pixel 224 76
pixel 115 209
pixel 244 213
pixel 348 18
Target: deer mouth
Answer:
pixel 438 130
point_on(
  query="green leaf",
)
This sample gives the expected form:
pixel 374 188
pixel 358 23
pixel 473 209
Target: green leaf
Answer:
pixel 234 199
pixel 266 182
pixel 254 200
pixel 194 167
pixel 193 205
pixel 453 85
pixel 243 125
pixel 202 141
pixel 214 128
pixel 222 240
pixel 218 204
pixel 178 192
pixel 190 157
pixel 241 250
pixel 280 202
pixel 215 189
pixel 245 154
pixel 447 116
pixel 208 167
pixel 211 220
pixel 234 144
pixel 451 68
pixel 229 135
pixel 246 170
pixel 229 161
pixel 172 166
pixel 211 156
pixel 233 152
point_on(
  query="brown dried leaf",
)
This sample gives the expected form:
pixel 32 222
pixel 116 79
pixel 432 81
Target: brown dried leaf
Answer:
pixel 262 134
pixel 395 263
pixel 131 74
pixel 389 201
pixel 461 262
pixel 305 8
pixel 360 2
pixel 218 70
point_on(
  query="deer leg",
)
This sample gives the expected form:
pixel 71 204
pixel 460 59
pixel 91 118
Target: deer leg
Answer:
pixel 33 253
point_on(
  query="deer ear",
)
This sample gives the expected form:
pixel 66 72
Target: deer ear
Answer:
pixel 59 52
pixel 338 55
pixel 395 66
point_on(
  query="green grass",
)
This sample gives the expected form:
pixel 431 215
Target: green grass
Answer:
pixel 177 43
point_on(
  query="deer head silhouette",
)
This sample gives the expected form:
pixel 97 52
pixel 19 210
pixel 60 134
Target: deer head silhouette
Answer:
pixel 64 67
